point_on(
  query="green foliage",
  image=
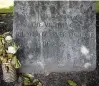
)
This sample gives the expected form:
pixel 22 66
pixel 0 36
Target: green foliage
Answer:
pixel 7 10
pixel 8 50
pixel 71 83
pixel 97 6
pixel 36 82
pixel 15 62
pixel 1 47
pixel 28 80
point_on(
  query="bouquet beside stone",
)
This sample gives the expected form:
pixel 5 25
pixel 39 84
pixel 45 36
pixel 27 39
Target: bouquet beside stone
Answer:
pixel 8 58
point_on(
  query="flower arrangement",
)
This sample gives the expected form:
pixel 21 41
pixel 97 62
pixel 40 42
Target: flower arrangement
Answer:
pixel 8 58
pixel 9 61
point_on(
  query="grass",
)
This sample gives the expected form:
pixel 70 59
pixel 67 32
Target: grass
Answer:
pixel 7 10
pixel 97 6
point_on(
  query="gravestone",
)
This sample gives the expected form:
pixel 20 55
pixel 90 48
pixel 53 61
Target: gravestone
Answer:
pixel 55 36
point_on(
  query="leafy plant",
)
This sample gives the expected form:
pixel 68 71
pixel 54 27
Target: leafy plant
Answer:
pixel 29 80
pixel 71 83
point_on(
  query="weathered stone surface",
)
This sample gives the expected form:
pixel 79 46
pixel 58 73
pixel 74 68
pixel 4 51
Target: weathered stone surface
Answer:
pixel 55 36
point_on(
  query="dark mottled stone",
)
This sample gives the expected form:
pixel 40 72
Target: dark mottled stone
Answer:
pixel 6 22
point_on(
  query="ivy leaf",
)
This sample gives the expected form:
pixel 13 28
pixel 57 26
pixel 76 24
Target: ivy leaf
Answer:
pixel 15 45
pixel 6 33
pixel 30 76
pixel 10 56
pixel 35 80
pixel 1 47
pixel 1 59
pixel 15 62
pixel 4 60
pixel 71 83
pixel 39 84
pixel 26 81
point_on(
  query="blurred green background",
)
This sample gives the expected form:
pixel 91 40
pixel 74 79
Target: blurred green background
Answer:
pixel 6 6
pixel 7 10
pixel 97 6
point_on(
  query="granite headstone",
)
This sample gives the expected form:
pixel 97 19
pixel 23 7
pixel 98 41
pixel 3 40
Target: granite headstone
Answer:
pixel 55 36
